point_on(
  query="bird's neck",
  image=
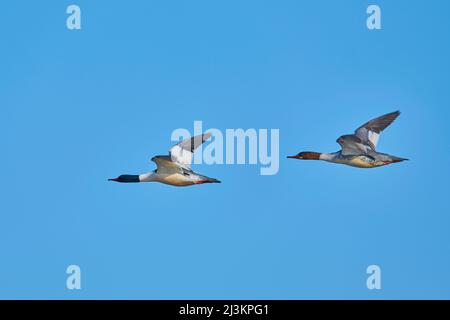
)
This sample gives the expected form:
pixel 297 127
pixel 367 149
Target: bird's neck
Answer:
pixel 328 156
pixel 148 177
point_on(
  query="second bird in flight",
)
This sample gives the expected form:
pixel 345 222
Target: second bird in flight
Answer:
pixel 358 149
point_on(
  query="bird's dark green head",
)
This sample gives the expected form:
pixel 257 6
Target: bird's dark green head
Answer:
pixel 126 178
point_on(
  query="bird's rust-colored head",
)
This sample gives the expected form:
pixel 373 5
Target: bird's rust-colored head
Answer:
pixel 307 155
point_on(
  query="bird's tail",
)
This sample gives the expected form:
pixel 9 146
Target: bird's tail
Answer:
pixel 398 159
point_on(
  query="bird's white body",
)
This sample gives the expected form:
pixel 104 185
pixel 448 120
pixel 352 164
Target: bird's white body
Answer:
pixel 174 179
pixel 360 161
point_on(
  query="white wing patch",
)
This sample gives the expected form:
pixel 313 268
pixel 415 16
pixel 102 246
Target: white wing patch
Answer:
pixel 181 156
pixel 373 138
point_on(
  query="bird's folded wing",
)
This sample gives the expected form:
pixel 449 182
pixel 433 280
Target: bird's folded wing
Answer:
pixel 351 145
pixel 369 132
pixel 183 152
pixel 164 164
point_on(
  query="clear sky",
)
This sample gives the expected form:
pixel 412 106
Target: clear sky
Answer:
pixel 81 106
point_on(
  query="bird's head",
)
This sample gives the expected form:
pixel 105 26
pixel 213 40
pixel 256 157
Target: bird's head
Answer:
pixel 306 155
pixel 126 178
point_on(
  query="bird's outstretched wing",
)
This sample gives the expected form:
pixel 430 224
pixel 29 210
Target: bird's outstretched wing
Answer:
pixel 366 136
pixel 183 152
pixel 369 133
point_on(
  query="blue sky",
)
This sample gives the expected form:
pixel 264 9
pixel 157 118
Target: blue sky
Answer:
pixel 82 106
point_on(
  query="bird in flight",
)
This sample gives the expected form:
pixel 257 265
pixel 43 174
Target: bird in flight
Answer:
pixel 174 169
pixel 358 149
